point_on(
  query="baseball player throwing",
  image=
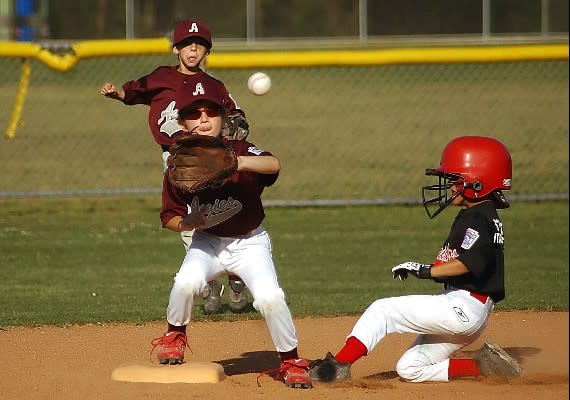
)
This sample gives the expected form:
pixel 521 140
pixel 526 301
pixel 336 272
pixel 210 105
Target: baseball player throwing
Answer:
pixel 192 41
pixel 228 237
pixel 472 174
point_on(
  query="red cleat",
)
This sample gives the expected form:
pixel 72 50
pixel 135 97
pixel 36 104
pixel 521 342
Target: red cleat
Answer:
pixel 171 350
pixel 295 373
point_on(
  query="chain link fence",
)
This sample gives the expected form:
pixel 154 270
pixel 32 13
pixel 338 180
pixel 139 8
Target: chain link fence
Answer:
pixel 343 134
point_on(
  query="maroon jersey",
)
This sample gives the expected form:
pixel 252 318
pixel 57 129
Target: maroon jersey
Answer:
pixel 158 90
pixel 232 210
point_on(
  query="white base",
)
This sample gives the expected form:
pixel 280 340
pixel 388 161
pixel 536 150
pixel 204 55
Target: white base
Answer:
pixel 197 372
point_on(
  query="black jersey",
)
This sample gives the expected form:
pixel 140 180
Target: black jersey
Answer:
pixel 477 239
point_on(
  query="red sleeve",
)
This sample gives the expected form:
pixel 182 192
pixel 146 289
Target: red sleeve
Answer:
pixel 142 90
pixel 136 92
pixel 173 204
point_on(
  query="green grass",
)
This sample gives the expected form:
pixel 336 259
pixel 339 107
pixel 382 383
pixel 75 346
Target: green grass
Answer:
pixel 340 132
pixel 56 253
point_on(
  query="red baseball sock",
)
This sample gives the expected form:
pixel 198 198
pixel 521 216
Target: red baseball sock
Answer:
pixel 352 350
pixel 174 328
pixel 462 367
pixel 289 355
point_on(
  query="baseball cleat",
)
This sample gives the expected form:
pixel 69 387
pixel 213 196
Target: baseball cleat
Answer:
pixel 329 370
pixel 294 373
pixel 212 297
pixel 494 361
pixel 237 294
pixel 171 347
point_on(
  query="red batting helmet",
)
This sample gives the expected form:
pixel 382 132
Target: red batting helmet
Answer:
pixel 478 166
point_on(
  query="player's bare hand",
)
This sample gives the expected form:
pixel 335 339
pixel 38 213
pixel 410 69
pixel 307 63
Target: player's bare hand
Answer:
pixel 195 219
pixel 109 90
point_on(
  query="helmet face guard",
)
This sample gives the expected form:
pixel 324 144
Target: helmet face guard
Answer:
pixel 440 194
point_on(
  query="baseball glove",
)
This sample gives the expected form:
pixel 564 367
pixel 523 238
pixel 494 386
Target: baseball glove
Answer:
pixel 199 162
pixel 493 360
pixel 329 369
pixel 236 127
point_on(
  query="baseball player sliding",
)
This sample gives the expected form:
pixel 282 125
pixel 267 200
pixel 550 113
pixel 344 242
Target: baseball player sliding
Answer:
pixel 192 42
pixel 228 236
pixel 472 174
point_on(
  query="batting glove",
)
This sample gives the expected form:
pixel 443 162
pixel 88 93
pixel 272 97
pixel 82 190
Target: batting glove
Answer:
pixel 421 271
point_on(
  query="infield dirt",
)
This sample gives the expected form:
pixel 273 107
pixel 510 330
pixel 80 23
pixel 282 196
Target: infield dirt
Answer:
pixel 75 362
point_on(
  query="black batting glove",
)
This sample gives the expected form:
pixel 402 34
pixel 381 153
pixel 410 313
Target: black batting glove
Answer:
pixel 421 271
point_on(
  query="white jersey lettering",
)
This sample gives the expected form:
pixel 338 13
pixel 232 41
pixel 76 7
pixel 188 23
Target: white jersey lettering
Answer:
pixel 193 28
pixel 218 212
pixel 199 89
pixel 168 120
pixel 499 236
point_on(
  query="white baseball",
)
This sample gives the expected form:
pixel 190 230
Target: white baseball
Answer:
pixel 259 83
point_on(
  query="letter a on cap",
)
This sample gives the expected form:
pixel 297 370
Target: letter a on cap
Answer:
pixel 193 27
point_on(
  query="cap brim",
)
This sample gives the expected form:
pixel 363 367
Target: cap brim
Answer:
pixel 206 43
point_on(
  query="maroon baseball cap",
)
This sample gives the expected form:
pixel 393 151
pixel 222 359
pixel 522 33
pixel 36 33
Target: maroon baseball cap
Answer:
pixel 192 28
pixel 198 90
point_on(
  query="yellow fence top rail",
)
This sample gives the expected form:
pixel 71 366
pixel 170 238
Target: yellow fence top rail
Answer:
pixel 279 59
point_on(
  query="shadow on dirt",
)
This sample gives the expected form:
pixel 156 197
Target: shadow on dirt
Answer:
pixel 250 362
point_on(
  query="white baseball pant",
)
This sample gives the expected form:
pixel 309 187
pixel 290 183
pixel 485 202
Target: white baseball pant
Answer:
pixel 445 323
pixel 249 257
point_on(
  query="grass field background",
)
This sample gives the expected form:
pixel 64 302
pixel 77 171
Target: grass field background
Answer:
pixel 79 260
pixel 340 132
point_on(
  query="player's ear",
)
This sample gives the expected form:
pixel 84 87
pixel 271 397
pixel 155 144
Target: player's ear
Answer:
pixel 175 51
